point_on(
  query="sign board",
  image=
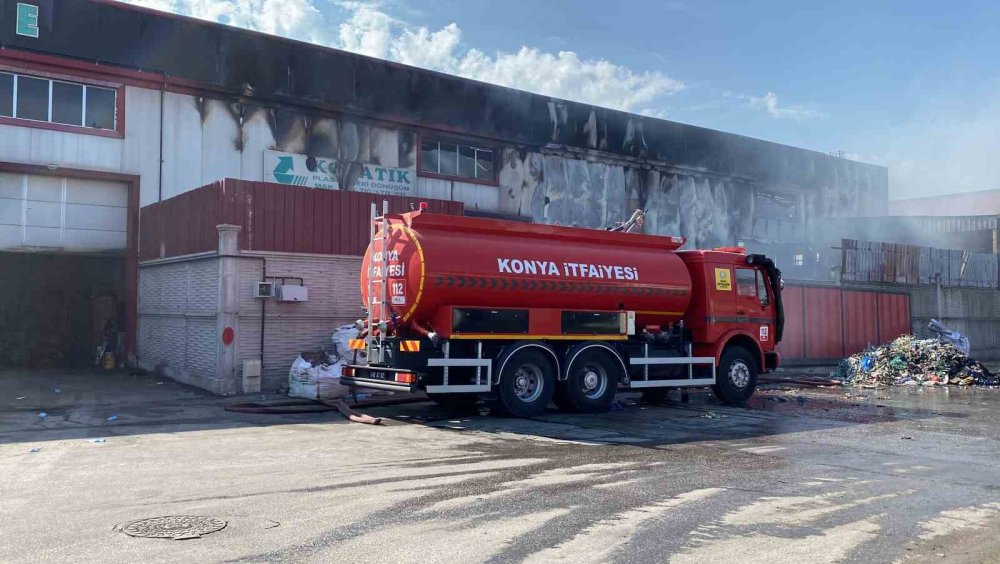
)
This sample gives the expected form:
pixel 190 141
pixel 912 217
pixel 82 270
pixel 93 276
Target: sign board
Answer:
pixel 723 279
pixel 312 172
pixel 27 20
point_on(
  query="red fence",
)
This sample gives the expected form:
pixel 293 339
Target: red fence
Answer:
pixel 826 324
pixel 274 217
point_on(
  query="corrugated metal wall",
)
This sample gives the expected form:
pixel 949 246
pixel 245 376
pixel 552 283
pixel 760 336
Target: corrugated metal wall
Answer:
pixel 827 324
pixel 870 261
pixel 274 217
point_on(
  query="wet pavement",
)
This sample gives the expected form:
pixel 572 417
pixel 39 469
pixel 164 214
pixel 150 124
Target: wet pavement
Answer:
pixel 803 474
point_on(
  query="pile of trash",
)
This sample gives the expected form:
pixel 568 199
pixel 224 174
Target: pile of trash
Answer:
pixel 316 374
pixel 909 361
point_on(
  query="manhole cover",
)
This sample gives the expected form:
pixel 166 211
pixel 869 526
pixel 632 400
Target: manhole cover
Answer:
pixel 177 527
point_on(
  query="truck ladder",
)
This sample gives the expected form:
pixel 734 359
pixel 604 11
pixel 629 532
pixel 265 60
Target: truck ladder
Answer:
pixel 375 342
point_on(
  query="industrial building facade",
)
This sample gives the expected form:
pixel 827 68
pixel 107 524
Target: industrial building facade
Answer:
pixel 107 108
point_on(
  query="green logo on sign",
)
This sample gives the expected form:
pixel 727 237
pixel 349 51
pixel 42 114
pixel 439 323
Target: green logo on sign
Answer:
pixel 27 20
pixel 283 172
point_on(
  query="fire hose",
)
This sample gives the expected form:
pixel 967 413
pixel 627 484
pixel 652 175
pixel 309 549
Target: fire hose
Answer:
pixel 297 406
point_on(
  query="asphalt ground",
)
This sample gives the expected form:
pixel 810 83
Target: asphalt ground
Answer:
pixel 800 475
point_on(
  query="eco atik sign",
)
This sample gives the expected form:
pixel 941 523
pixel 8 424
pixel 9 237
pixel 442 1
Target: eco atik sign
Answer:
pixel 312 172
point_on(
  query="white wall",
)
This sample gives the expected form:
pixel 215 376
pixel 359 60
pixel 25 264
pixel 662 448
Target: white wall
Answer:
pixel 205 140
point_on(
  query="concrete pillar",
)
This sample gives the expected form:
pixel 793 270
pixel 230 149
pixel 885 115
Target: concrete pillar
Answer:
pixel 227 323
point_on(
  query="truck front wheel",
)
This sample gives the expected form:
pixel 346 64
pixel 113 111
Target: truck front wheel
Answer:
pixel 526 384
pixel 735 377
pixel 591 383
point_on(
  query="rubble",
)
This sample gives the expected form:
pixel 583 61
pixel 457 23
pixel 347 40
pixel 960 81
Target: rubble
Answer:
pixel 909 361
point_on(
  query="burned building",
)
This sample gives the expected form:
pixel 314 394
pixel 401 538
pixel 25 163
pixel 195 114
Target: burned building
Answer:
pixel 106 108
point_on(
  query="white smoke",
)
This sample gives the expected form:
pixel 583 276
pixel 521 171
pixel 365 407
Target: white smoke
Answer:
pixel 368 30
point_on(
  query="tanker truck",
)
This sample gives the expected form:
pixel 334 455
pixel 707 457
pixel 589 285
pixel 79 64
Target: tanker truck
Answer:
pixel 522 315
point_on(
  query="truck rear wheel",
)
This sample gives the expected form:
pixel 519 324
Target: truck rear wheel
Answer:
pixel 527 383
pixel 591 382
pixel 735 377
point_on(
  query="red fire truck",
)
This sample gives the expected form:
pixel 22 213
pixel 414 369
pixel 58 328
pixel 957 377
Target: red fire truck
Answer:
pixel 523 314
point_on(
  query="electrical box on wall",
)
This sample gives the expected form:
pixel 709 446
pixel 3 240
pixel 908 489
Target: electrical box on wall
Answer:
pixel 251 376
pixel 289 293
pixel 263 289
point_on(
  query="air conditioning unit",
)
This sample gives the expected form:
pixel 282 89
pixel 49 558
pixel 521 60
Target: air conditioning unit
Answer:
pixel 263 289
pixel 291 293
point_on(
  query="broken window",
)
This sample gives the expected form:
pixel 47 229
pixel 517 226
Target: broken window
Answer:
pixel 777 216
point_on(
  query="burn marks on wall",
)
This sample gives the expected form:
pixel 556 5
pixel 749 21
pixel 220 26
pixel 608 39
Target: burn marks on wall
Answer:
pixel 521 179
pixel 708 210
pixel 574 192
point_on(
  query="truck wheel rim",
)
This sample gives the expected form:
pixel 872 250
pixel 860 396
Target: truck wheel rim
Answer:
pixel 739 374
pixel 528 383
pixel 594 381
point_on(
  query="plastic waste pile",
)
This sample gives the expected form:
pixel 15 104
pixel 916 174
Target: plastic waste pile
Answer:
pixel 909 361
pixel 316 374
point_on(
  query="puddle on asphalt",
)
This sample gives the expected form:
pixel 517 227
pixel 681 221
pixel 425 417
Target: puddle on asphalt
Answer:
pixel 873 405
pixel 841 404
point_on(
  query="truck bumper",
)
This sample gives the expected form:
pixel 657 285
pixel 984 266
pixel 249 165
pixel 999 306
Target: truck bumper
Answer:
pixel 379 378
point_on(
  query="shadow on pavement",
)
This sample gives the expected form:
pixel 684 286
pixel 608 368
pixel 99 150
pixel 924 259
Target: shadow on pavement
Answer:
pixel 94 403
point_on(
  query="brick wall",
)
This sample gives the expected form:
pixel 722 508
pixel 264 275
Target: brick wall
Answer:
pixel 178 308
pixel 290 328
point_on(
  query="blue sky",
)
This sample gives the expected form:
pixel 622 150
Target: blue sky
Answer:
pixel 909 85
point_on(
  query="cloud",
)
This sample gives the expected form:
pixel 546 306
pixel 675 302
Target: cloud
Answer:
pixel 367 29
pixel 769 103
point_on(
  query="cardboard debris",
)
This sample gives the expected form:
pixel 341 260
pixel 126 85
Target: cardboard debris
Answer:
pixel 909 361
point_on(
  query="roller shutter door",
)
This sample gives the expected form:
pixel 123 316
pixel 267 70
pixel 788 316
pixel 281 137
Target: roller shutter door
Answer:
pixel 55 214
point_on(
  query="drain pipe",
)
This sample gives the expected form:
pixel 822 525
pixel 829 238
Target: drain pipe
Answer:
pixel 263 313
pixel 163 89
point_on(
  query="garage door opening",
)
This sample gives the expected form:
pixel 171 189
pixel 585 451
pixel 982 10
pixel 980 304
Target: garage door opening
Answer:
pixel 63 242
pixel 56 309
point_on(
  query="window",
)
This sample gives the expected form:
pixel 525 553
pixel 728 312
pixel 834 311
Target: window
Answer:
pixel 455 159
pixel 32 98
pixel 67 103
pixel 762 288
pixel 746 282
pixel 6 95
pixel 57 101
pixel 798 260
pixel 777 216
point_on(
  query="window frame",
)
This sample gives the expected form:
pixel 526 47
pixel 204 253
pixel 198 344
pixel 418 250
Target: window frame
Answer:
pixel 762 286
pixel 119 89
pixel 458 142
